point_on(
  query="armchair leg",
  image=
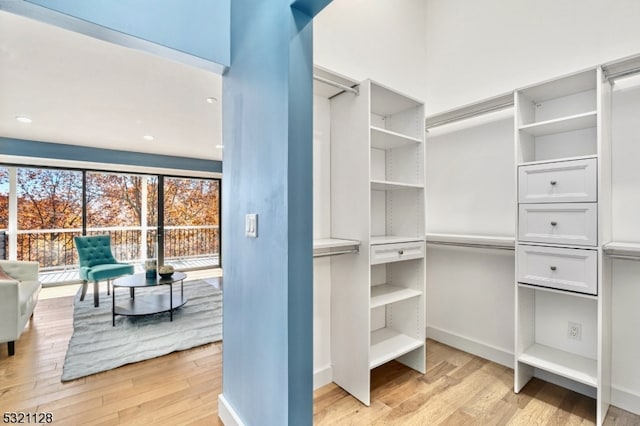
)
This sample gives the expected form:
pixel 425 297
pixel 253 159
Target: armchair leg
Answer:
pixel 12 348
pixel 84 290
pixel 96 295
pixel 108 287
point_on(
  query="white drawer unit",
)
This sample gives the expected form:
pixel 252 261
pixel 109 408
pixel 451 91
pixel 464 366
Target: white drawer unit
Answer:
pixel 385 253
pixel 559 268
pixel 558 182
pixel 559 223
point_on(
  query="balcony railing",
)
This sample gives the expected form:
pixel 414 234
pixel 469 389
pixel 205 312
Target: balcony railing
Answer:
pixel 185 246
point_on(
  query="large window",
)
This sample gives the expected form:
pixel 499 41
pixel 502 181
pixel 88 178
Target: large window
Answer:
pixel 125 206
pixel 173 219
pixel 191 220
pixel 49 215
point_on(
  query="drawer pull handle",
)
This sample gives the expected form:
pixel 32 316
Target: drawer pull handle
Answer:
pixel 553 182
pixel 553 268
pixel 400 252
pixel 554 223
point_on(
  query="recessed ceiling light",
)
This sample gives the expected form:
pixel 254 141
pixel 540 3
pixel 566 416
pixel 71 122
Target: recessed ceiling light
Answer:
pixel 148 137
pixel 212 100
pixel 23 119
pixel 219 146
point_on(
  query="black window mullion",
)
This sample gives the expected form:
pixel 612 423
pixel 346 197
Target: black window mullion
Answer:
pixel 160 230
pixel 84 202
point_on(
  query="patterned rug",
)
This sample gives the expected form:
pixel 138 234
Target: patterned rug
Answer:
pixel 97 346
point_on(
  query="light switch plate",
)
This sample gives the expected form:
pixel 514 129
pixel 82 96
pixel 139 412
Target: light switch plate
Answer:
pixel 251 225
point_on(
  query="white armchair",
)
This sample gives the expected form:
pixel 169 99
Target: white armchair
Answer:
pixel 18 299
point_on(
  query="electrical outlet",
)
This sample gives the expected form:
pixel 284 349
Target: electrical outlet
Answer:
pixel 574 331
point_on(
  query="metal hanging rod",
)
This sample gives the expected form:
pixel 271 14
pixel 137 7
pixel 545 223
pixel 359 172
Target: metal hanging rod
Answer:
pixel 336 253
pixel 490 105
pixel 472 245
pixel 355 89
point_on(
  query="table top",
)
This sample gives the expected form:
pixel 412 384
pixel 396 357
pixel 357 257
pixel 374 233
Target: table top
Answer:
pixel 141 280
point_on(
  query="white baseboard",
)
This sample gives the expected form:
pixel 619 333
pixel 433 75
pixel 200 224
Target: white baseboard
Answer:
pixel 625 399
pixel 227 414
pixel 475 347
pixel 322 376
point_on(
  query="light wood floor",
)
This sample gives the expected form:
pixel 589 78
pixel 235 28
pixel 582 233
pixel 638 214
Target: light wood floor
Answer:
pixel 182 388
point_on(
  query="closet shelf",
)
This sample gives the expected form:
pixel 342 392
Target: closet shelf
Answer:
pixel 388 344
pixel 384 294
pixel 482 241
pixel 384 185
pixel 386 139
pixel 329 243
pixel 325 247
pixel 562 363
pixel 561 125
pixel 625 251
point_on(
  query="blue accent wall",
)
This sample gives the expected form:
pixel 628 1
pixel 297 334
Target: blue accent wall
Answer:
pixel 268 134
pixel 197 27
pixel 300 223
pixel 26 148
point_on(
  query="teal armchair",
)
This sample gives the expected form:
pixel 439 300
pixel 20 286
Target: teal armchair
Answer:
pixel 98 264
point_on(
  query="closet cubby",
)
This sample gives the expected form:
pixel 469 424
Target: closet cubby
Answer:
pixel 558 119
pixel 546 341
pixel 563 280
pixel 377 179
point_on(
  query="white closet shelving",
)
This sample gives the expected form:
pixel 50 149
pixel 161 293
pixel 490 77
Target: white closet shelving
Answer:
pixel 563 288
pixel 377 198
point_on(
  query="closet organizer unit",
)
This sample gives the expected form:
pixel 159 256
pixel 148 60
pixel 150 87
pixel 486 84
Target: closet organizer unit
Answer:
pixel 563 289
pixel 377 197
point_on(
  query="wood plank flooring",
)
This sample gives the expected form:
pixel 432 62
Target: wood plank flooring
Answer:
pixel 182 388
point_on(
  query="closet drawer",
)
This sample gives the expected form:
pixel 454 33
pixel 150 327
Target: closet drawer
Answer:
pixel 560 268
pixel 386 253
pixel 561 182
pixel 561 223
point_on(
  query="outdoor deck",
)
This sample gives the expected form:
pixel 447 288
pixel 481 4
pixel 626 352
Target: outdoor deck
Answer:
pixel 70 275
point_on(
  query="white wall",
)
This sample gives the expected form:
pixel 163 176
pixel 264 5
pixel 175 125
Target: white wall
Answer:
pixel 321 229
pixel 626 227
pixel 471 190
pixel 379 39
pixel 470 177
pixel 478 49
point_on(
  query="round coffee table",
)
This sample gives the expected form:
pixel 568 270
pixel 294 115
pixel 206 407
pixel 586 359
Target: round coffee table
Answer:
pixel 150 303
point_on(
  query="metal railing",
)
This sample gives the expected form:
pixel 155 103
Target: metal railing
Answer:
pixel 54 249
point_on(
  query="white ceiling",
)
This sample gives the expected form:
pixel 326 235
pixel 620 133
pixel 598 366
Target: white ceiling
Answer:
pixel 83 91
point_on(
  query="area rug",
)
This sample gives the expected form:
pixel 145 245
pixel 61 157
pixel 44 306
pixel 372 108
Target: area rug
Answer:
pixel 97 346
